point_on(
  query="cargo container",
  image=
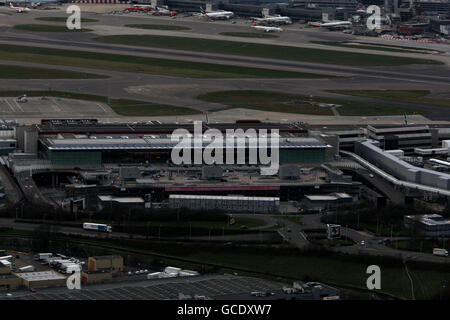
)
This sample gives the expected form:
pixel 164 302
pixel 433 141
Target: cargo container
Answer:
pixel 97 227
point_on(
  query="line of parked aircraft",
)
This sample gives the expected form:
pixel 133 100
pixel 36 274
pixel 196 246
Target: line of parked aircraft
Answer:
pixel 257 23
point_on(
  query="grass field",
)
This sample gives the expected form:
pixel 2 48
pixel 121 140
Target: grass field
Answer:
pixel 414 96
pixel 157 27
pixel 125 63
pixel 19 72
pixel 263 50
pixel 369 47
pixel 340 271
pixel 248 35
pixel 46 28
pixel 337 269
pixel 120 106
pixel 283 102
pixel 63 19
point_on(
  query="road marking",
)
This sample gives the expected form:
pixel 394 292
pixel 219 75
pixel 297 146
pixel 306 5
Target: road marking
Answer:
pixel 56 107
pixel 9 105
pixel 104 110
pixel 18 106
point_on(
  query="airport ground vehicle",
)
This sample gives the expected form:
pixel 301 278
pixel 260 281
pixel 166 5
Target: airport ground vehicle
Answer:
pixel 97 227
pixel 440 252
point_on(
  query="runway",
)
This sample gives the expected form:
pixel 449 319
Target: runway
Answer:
pixel 183 91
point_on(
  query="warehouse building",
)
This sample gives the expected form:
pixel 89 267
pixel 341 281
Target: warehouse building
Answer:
pixel 9 281
pixel 42 279
pixel 433 225
pixel 226 203
pixel 95 277
pixel 111 263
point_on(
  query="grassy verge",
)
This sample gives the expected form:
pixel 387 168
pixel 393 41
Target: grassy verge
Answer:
pixel 263 50
pixel 249 222
pixel 63 19
pixel 369 47
pixel 294 219
pixel 295 103
pixel 18 72
pixel 157 27
pixel 46 28
pixel 120 106
pixel 249 35
pixel 142 108
pixel 125 63
pixel 414 96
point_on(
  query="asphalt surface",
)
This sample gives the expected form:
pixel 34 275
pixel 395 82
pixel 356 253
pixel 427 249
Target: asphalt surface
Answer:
pixel 183 92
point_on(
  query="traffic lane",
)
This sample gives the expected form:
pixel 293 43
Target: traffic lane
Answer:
pixel 10 223
pixel 290 231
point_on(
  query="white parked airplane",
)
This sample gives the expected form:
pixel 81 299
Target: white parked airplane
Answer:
pixel 274 19
pixel 18 9
pixel 266 29
pixel 332 24
pixel 217 15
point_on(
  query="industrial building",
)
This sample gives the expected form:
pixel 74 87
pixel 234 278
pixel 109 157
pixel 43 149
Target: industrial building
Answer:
pixel 112 263
pixel 428 224
pixel 227 203
pixel 329 201
pixel 404 137
pixel 41 279
pixel 9 281
pixel 97 150
pixel 108 201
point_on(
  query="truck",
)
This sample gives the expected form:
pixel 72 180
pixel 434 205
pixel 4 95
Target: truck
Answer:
pixel 440 252
pixel 42 256
pixel 97 227
pixel 70 268
pixel 27 269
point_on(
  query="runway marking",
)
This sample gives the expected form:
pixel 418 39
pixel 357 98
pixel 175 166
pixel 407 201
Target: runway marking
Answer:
pixel 57 106
pixel 104 110
pixel 18 106
pixel 9 105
